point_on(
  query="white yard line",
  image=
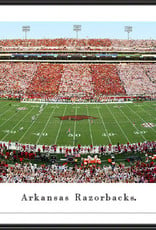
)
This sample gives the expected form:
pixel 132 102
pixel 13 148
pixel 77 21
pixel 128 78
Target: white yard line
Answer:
pixel 132 124
pixel 90 129
pixel 74 127
pixel 18 123
pixel 28 129
pixel 8 119
pixel 6 105
pixel 149 114
pixel 4 112
pixel 104 125
pixel 45 125
pixel 118 124
pixel 60 126
pixel 141 118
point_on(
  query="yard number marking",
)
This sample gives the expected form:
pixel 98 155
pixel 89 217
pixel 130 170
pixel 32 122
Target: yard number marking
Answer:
pixel 109 134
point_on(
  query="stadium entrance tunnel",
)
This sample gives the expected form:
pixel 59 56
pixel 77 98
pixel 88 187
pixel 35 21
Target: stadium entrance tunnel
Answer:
pixel 76 117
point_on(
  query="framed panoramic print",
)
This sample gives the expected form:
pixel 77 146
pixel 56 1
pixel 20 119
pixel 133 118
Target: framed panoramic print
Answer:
pixel 77 114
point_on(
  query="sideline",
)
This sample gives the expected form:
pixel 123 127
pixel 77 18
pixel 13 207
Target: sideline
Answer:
pixel 50 148
pixel 74 103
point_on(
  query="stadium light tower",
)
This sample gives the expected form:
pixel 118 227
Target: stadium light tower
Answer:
pixel 25 29
pixel 77 28
pixel 128 29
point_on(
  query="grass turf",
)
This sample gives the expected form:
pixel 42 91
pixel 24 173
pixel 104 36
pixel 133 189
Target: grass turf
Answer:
pixel 114 123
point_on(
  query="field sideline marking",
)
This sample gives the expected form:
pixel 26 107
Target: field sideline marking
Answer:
pixel 60 126
pixel 140 118
pixel 118 124
pixel 27 129
pixel 104 125
pixel 132 124
pixel 74 126
pixel 78 103
pixel 90 128
pixel 46 124
pixel 18 123
pixel 97 122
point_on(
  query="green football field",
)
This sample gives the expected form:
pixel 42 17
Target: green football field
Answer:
pixel 111 123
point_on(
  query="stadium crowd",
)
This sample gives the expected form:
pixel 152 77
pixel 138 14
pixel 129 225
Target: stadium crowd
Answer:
pixel 15 78
pixel 138 78
pixel 106 80
pixel 46 80
pixel 87 44
pixel 76 81
pixel 139 172
pixel 133 45
pixel 21 172
pixel 52 44
pixel 72 150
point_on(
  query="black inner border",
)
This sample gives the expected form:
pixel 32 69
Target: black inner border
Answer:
pixel 78 226
pixel 77 2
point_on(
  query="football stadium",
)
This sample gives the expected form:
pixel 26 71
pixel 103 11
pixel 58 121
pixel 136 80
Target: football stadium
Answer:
pixel 77 110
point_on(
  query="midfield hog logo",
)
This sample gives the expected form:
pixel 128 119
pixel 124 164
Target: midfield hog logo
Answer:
pixel 76 117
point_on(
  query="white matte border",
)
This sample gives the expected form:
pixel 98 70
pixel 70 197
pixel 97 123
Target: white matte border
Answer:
pixel 106 203
pixel 78 13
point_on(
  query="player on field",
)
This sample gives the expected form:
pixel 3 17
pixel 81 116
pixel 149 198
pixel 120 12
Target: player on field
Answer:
pixel 21 128
pixel 68 131
pixel 33 118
